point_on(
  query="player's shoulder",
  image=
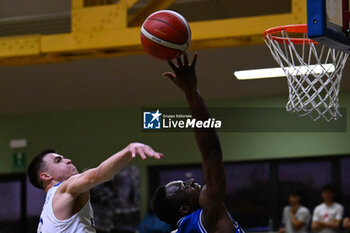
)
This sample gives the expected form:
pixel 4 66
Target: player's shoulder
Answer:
pixel 303 209
pixel 62 186
pixel 338 206
pixel 320 207
pixel 286 210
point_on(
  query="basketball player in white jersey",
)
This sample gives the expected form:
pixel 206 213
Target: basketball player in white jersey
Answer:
pixel 67 206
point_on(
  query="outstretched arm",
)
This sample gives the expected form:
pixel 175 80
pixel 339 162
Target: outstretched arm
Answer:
pixel 184 77
pixel 107 169
pixel 74 192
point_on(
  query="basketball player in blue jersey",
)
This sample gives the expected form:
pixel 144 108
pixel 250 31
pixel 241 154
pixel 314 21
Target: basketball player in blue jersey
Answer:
pixel 67 206
pixel 183 203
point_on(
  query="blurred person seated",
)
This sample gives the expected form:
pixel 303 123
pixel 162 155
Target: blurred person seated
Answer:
pixel 296 217
pixel 327 216
pixel 346 220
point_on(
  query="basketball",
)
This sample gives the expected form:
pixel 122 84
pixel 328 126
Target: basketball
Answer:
pixel 165 35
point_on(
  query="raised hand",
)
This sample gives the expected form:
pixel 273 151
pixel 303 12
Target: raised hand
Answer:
pixel 143 150
pixel 184 75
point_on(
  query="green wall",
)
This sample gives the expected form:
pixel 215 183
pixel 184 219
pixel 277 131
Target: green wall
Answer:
pixel 90 136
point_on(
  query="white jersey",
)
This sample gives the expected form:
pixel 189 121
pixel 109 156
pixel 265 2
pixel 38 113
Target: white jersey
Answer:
pixel 325 213
pixel 81 222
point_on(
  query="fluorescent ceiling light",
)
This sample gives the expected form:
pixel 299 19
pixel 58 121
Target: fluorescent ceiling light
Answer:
pixel 278 72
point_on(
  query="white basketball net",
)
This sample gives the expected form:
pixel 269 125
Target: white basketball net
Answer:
pixel 313 72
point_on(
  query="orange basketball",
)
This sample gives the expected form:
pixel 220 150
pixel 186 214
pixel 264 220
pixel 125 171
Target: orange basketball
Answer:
pixel 165 34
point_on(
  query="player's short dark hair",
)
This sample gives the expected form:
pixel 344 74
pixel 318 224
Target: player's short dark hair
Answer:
pixel 327 187
pixel 166 208
pixel 36 166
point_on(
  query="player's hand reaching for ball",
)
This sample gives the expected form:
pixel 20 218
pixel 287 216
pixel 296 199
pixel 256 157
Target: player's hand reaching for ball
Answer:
pixel 184 75
pixel 143 151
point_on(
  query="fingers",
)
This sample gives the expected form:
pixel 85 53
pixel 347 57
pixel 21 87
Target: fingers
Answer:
pixel 142 154
pixel 179 61
pixel 133 153
pixel 158 155
pixel 185 62
pixel 149 151
pixel 172 66
pixel 194 60
pixel 144 151
pixel 170 75
pixel 185 58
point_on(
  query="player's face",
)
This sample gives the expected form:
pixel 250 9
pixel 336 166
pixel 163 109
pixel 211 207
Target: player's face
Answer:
pixel 59 167
pixel 180 186
pixel 186 191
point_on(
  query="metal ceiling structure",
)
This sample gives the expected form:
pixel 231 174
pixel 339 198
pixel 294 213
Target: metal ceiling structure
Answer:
pixel 104 28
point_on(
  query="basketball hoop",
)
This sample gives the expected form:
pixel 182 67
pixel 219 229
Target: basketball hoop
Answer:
pixel 313 71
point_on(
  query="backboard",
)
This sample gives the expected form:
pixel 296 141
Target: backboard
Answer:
pixel 328 23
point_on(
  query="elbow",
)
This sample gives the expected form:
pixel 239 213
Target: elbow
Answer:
pixel 337 225
pixel 314 227
pixel 297 227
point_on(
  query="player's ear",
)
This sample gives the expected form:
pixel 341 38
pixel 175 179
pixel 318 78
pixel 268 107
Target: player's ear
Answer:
pixel 45 176
pixel 185 210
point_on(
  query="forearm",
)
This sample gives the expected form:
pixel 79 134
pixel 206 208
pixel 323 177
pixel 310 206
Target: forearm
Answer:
pixel 332 224
pixel 207 138
pixel 112 166
pixel 296 223
pixel 104 172
pixel 315 226
pixel 108 169
pixel 209 145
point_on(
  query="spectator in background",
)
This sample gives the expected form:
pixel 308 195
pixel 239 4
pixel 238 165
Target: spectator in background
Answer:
pixel 327 216
pixel 152 224
pixel 295 217
pixel 346 221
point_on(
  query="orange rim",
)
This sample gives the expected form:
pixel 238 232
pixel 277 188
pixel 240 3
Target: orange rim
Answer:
pixel 296 28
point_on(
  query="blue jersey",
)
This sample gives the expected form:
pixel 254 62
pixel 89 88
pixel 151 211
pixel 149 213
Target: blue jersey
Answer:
pixel 192 223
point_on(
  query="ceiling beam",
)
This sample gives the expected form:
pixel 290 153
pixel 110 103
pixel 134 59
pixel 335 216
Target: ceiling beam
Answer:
pixel 152 6
pixel 102 31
